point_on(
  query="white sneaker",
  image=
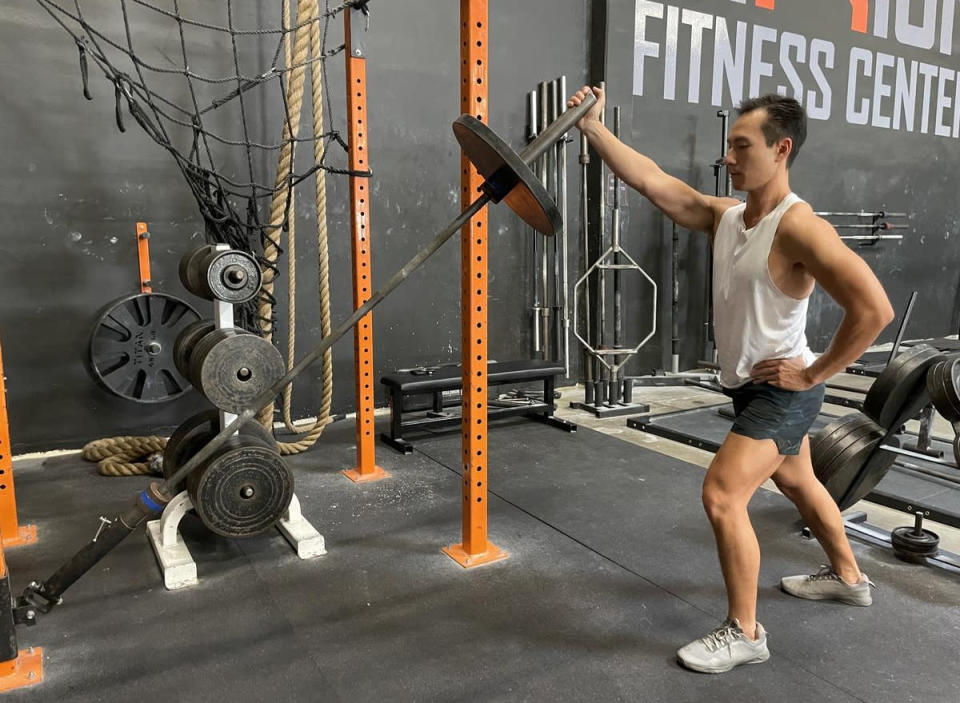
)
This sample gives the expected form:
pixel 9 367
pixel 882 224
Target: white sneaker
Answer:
pixel 827 585
pixel 724 648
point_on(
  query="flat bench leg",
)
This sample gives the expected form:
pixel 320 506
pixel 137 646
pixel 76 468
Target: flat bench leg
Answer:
pixel 394 439
pixel 553 421
pixel 545 415
pixel 398 443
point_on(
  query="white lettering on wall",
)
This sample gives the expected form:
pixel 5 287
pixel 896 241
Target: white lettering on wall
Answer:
pixel 820 109
pixel 928 71
pixel 945 75
pixel 881 89
pixel 698 22
pixel 905 95
pixel 642 48
pixel 670 59
pixel 728 62
pixel 758 67
pixel 788 41
pixel 919 35
pixel 861 63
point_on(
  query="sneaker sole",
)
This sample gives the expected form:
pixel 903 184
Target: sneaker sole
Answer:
pixel 847 601
pixel 722 670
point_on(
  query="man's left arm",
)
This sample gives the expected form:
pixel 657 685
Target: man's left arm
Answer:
pixel 814 243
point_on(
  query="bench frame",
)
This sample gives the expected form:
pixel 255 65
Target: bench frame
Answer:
pixel 437 417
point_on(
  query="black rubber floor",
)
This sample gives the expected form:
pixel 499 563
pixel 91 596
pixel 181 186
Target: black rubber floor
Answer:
pixel 612 567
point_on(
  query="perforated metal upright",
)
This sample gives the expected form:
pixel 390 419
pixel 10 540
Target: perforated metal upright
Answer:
pixel 354 39
pixel 475 549
pixel 12 533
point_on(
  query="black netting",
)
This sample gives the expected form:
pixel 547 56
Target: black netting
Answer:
pixel 207 80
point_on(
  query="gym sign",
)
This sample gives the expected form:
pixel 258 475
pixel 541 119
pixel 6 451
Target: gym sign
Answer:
pixel 706 58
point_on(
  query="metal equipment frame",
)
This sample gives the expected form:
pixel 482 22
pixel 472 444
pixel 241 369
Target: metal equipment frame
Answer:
pixel 366 469
pixel 474 548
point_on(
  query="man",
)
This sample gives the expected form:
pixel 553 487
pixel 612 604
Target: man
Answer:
pixel 768 254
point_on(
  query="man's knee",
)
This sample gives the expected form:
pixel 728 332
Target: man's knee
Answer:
pixel 794 480
pixel 718 500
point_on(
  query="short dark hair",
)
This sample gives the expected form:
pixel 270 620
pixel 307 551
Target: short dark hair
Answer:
pixel 785 118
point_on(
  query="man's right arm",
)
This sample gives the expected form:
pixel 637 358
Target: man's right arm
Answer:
pixel 684 205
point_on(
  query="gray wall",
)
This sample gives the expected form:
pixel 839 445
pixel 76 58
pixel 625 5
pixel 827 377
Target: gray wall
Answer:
pixel 73 187
pixel 842 167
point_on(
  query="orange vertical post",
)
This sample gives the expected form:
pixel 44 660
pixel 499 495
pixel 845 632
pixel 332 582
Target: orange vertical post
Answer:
pixel 359 158
pixel 12 534
pixel 143 257
pixel 475 549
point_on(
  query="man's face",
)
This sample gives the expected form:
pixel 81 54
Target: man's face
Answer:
pixel 751 163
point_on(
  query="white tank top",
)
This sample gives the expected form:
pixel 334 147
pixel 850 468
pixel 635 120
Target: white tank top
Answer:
pixel 753 320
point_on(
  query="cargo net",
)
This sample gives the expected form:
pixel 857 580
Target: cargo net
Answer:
pixel 220 85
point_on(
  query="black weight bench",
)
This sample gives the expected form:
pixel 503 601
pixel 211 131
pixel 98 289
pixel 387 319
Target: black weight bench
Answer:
pixel 435 382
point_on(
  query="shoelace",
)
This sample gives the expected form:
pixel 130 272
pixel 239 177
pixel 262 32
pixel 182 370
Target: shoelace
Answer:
pixel 723 635
pixel 826 573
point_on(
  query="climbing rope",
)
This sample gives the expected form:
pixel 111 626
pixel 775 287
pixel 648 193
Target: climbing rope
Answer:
pixel 133 456
pixel 307 41
pixel 127 456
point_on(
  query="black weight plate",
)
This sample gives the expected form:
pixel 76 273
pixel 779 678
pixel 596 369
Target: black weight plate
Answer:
pixel 194 432
pixel 186 341
pixel 943 380
pixel 900 391
pixel 489 153
pixel 950 383
pixel 936 391
pixel 232 370
pixel 913 547
pixel 187 440
pixel 842 452
pixel 956 449
pixel 243 489
pixel 193 274
pixel 876 466
pixel 823 441
pixel 131 347
pixel 233 276
pixel 203 347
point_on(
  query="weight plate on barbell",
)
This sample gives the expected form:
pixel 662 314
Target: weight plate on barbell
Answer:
pixel 842 450
pixel 899 393
pixel 943 385
pixel 243 489
pixel 194 432
pixel 131 347
pixel 491 155
pixel 823 441
pixel 232 368
pixel 876 466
